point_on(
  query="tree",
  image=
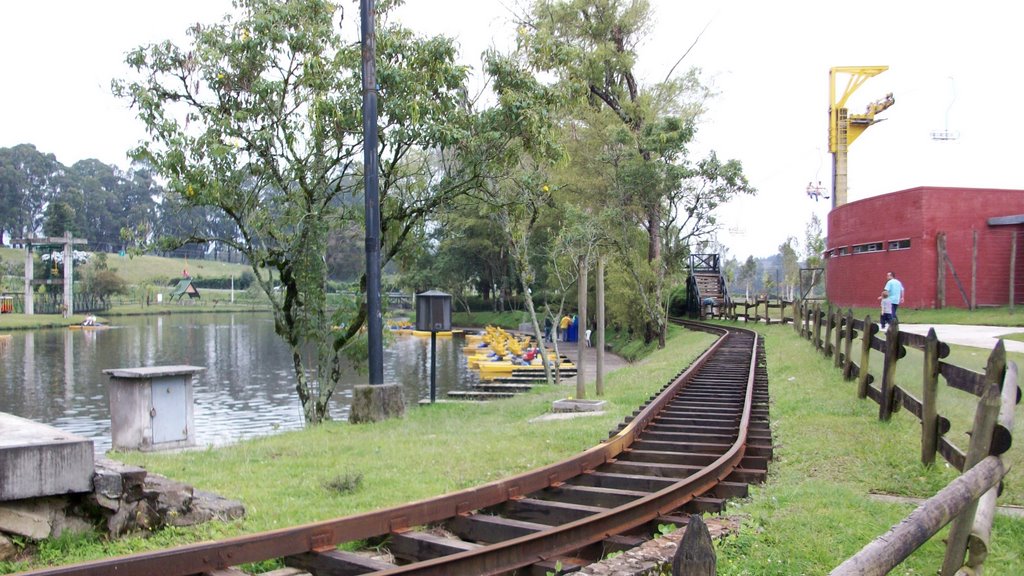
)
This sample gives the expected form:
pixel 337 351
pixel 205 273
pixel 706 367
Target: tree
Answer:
pixel 747 274
pixel 814 246
pixel 790 268
pixel 58 218
pixel 590 47
pixel 101 280
pixel 28 182
pixel 258 122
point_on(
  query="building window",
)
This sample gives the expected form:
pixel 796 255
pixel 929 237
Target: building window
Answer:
pixel 899 244
pixel 844 251
pixel 865 248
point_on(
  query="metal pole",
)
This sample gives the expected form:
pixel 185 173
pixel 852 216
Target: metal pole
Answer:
pixel 375 324
pixel 433 365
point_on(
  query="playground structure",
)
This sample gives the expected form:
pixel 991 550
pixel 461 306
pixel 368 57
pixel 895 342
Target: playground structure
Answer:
pixel 66 243
pixel 843 127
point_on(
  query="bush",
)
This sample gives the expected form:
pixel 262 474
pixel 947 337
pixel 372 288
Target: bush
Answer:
pixel 677 301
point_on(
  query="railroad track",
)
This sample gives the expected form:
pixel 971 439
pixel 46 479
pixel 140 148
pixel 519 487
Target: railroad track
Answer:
pixel 700 440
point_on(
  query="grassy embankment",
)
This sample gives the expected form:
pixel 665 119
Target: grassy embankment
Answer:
pixel 144 275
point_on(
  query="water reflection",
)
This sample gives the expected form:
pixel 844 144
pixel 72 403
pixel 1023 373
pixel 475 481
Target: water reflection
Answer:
pixel 56 376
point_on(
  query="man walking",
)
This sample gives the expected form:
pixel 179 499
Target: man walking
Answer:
pixel 895 289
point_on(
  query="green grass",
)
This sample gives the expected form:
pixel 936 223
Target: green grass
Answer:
pixel 150 269
pixel 831 451
pixel 994 316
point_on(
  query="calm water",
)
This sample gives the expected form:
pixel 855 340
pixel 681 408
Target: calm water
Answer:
pixel 56 376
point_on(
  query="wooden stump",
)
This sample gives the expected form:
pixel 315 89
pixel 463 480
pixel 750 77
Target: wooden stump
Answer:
pixel 695 555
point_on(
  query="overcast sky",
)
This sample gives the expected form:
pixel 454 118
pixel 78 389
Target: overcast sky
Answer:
pixel 953 66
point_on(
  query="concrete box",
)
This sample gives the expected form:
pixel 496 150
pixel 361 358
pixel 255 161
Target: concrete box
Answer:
pixel 38 460
pixel 152 408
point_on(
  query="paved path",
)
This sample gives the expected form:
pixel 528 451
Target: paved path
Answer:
pixel 611 361
pixel 977 336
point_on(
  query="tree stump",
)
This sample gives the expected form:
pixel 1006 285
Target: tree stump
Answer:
pixel 374 403
pixel 695 555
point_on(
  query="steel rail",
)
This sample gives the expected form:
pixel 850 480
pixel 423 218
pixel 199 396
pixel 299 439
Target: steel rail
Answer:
pixel 494 558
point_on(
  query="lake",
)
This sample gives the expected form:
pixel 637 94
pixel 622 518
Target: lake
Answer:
pixel 55 376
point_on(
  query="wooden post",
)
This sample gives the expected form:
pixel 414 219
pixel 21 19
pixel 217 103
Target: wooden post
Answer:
pixel 892 350
pixel 940 276
pixel 981 532
pixel 695 555
pixel 816 337
pixel 974 271
pixel 930 387
pixel 848 350
pixel 826 343
pixel 802 325
pixel 981 440
pixel 887 551
pixel 865 357
pixel 837 354
pixel 1013 266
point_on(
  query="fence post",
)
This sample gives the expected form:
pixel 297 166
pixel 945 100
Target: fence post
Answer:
pixel 865 357
pixel 817 328
pixel 848 337
pixel 930 387
pixel 837 349
pixel 826 344
pixel 981 532
pixel 802 325
pixel 886 404
pixel 980 444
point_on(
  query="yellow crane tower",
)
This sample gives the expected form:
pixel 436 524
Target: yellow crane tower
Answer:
pixel 843 127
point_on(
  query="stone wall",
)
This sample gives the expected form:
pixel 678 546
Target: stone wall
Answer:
pixel 125 499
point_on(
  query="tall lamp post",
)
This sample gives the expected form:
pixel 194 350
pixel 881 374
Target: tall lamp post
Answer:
pixel 374 322
pixel 433 313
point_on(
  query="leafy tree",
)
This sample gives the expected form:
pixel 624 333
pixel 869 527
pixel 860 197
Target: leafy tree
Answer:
pixel 747 274
pixel 590 47
pixel 101 280
pixel 58 218
pixel 28 182
pixel 258 122
pixel 790 268
pixel 814 247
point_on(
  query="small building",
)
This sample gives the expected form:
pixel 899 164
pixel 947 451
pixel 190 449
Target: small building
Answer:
pixel 185 286
pixel 949 246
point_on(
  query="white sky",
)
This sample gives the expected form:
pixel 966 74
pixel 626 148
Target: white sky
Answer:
pixel 952 65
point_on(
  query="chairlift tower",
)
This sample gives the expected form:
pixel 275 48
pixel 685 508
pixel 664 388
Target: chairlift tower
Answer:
pixel 946 134
pixel 843 127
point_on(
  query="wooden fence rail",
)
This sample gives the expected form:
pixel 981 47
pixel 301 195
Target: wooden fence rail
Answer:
pixel 833 334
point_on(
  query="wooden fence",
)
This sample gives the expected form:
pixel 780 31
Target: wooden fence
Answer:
pixel 969 501
pixel 751 311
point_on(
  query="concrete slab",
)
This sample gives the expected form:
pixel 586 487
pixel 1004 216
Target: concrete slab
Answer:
pixel 977 336
pixel 39 460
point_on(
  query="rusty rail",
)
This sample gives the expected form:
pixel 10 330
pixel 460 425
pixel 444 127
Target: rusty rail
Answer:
pixel 691 445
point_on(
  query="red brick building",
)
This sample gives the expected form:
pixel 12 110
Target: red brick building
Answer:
pixel 900 232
